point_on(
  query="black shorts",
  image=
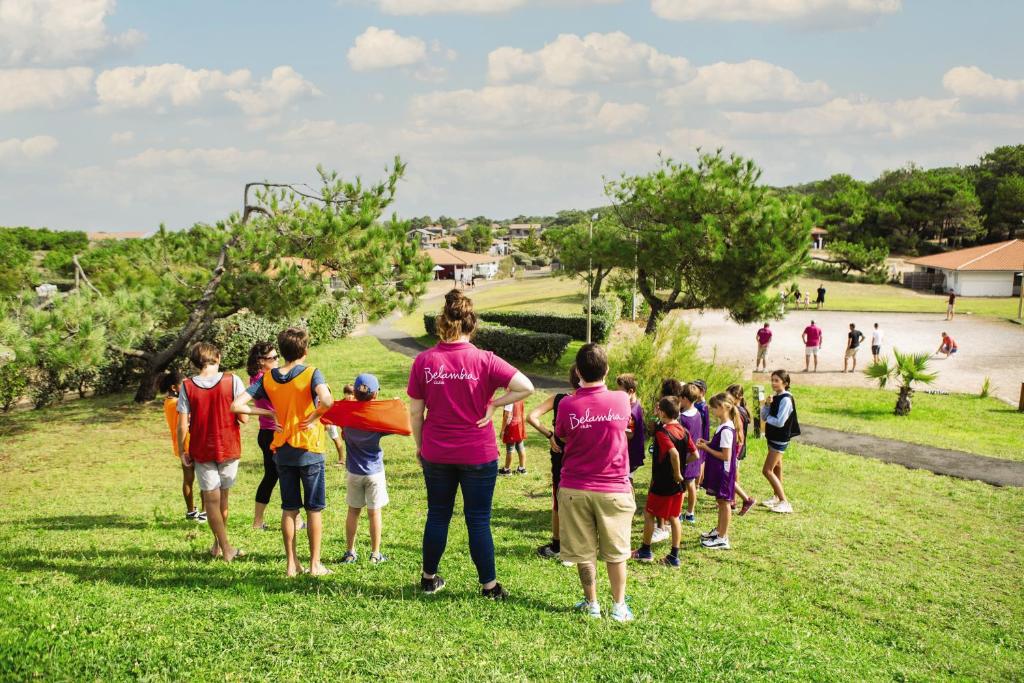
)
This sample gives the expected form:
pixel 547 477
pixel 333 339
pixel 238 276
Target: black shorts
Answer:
pixel 876 350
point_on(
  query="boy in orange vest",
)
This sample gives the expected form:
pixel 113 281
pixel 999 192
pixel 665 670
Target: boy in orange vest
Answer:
pixel 170 384
pixel 209 439
pixel 300 396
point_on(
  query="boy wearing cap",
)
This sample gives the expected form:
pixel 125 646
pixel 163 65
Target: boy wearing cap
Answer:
pixel 367 487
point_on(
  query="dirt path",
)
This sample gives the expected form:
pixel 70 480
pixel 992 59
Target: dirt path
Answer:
pixel 988 348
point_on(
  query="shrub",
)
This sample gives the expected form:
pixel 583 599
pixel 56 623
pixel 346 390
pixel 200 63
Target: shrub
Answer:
pixel 520 259
pixel 236 334
pixel 13 382
pixel 511 343
pixel 827 271
pixel 330 319
pixel 986 387
pixel 569 324
pixel 608 308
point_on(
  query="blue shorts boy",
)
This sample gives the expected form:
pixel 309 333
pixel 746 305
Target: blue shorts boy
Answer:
pixel 311 479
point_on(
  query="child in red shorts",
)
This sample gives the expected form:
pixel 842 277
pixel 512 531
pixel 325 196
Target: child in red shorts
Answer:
pixel 665 498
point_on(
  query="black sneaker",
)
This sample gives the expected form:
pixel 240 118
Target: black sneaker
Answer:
pixel 495 593
pixel 431 586
pixel 504 471
pixel 547 552
pixel 520 470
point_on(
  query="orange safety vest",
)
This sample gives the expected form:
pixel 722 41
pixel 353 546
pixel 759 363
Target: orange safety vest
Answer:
pixel 171 413
pixel 293 402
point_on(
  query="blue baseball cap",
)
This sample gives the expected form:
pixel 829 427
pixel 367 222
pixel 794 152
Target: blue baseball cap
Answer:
pixel 367 383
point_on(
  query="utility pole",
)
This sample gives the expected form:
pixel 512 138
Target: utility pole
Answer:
pixel 636 264
pixel 590 271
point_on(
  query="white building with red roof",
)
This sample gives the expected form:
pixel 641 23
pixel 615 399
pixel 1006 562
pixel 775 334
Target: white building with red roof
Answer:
pixel 988 270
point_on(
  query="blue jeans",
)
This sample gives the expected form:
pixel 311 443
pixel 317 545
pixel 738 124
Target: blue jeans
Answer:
pixel 312 479
pixel 477 482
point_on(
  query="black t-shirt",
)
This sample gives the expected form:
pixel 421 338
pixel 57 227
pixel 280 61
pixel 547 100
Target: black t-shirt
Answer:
pixel 856 337
pixel 952 298
pixel 821 293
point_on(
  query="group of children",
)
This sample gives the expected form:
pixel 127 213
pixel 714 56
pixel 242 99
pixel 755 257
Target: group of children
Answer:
pixel 204 412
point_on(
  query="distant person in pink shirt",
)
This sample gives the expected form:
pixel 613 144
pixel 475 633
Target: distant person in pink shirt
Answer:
pixel 812 344
pixel 595 496
pixel 764 338
pixel 451 387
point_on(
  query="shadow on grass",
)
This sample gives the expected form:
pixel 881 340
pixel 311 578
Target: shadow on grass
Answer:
pixel 92 522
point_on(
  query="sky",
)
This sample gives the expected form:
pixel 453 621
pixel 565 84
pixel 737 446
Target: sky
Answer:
pixel 125 115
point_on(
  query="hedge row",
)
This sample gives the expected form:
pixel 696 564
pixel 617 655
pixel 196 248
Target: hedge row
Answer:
pixel 513 344
pixel 606 312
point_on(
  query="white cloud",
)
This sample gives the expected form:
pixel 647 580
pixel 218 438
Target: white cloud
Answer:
pixel 507 106
pixel 42 88
pixel 825 12
pixel 47 31
pixel 123 137
pixel 842 116
pixel 379 48
pixel 147 86
pixel 594 58
pixel 284 86
pixel 972 82
pixel 745 82
pixel 215 158
pixel 18 149
pixel 621 118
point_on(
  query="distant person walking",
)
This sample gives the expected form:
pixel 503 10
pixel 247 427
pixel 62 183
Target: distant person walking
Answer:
pixel 820 301
pixel 812 337
pixel 876 345
pixel 853 340
pixel 764 339
pixel 951 305
pixel 948 346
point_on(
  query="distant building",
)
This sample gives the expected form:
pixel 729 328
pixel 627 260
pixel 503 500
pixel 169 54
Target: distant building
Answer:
pixel 520 231
pixel 452 264
pixel 988 270
pixel 127 235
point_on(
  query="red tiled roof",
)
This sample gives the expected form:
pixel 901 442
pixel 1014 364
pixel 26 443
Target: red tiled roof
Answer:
pixel 1000 256
pixel 454 257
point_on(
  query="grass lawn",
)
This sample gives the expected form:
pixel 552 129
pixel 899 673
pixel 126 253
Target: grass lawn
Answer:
pixel 852 296
pixel 883 573
pixel 964 422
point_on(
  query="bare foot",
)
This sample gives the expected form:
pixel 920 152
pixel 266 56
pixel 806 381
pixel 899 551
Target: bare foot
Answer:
pixel 234 554
pixel 215 550
pixel 294 571
pixel 319 570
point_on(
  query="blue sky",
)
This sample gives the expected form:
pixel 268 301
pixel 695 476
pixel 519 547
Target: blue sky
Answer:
pixel 122 116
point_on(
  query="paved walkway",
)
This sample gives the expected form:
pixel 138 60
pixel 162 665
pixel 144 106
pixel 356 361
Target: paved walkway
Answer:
pixel 916 457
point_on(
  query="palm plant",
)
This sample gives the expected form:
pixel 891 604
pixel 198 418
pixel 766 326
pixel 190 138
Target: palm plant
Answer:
pixel 907 368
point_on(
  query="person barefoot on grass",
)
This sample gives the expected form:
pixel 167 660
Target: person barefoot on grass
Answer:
pixel 550 405
pixel 214 442
pixel 779 417
pixel 665 497
pixel 299 396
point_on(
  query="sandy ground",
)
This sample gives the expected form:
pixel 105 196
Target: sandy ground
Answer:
pixel 988 348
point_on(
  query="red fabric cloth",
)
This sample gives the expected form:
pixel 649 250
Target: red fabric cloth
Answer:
pixel 387 417
pixel 665 506
pixel 515 430
pixel 213 429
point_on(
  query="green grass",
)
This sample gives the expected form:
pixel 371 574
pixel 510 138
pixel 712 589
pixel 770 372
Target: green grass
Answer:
pixel 964 422
pixel 851 296
pixel 876 577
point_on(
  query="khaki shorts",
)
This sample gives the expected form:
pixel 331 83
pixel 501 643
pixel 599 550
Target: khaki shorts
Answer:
pixel 216 475
pixel 367 491
pixel 762 351
pixel 595 525
pixel 852 353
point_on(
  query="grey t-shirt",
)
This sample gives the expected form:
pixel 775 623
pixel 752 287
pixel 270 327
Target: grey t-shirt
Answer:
pixel 237 388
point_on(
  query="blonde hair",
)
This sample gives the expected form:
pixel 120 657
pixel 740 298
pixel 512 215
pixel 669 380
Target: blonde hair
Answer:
pixel 724 400
pixel 457 319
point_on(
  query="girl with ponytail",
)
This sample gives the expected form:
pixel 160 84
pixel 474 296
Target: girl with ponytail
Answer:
pixel 720 467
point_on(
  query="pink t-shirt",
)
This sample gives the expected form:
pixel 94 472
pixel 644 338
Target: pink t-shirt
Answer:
pixel 593 423
pixel 456 381
pixel 813 333
pixel 764 335
pixel 265 422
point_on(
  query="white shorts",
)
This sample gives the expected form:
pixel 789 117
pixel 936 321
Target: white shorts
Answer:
pixel 332 432
pixel 812 350
pixel 367 491
pixel 217 475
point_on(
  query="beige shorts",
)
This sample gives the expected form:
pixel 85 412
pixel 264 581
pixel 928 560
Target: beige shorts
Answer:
pixel 594 525
pixel 811 350
pixel 852 353
pixel 367 491
pixel 217 475
pixel 762 351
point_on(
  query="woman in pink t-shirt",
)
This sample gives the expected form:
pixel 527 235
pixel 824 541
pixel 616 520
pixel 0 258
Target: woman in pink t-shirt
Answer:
pixel 451 387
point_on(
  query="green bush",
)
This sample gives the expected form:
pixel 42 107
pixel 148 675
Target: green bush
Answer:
pixel 834 273
pixel 329 320
pixel 513 344
pixel 236 334
pixel 569 324
pixel 13 382
pixel 608 308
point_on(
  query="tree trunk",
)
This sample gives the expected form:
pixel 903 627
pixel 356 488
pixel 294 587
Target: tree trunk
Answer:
pixel 595 287
pixel 903 401
pixel 654 317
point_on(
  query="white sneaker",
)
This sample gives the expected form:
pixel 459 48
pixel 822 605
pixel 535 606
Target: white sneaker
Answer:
pixel 622 613
pixel 659 535
pixel 591 609
pixel 771 502
pixel 709 534
pixel 784 507
pixel 716 543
